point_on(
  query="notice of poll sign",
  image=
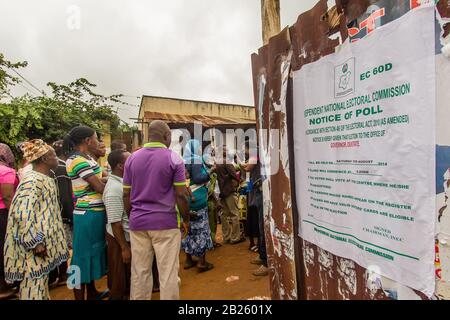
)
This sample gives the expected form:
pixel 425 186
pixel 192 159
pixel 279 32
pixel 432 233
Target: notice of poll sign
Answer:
pixel 364 137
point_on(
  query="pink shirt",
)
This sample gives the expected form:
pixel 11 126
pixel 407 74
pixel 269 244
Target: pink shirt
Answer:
pixel 7 176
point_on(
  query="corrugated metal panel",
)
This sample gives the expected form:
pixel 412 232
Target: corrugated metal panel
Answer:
pixel 207 121
pixel 273 63
pixel 444 10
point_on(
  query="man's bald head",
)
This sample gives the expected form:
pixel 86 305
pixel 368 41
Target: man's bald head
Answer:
pixel 159 131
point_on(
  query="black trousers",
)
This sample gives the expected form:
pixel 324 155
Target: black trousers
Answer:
pixel 119 273
pixel 3 225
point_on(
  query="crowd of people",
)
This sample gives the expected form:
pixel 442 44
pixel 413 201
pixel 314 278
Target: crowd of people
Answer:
pixel 65 219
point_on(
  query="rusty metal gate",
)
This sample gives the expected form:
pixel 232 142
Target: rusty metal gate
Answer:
pixel 299 269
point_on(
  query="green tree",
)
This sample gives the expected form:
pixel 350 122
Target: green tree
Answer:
pixel 51 116
pixel 6 78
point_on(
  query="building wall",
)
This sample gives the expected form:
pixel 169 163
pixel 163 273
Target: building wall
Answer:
pixel 189 107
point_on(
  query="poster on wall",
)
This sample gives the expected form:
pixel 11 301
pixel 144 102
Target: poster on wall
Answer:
pixel 378 14
pixel 364 143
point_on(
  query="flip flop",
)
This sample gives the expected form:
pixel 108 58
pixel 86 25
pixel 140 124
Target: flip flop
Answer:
pixel 208 266
pixel 103 295
pixel 189 266
pixel 54 284
pixel 62 283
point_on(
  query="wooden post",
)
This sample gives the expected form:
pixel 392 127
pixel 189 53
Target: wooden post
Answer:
pixel 106 137
pixel 270 15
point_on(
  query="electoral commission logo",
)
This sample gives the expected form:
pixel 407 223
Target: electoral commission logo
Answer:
pixel 344 78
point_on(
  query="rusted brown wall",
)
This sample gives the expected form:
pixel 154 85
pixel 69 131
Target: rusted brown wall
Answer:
pixel 444 10
pixel 277 206
pixel 316 273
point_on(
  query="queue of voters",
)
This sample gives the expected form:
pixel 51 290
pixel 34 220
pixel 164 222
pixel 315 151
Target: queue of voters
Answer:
pixel 67 220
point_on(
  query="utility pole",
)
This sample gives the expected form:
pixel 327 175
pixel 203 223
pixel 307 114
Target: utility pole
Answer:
pixel 270 15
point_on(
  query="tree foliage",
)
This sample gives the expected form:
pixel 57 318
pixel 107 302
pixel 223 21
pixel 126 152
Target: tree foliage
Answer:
pixel 51 116
pixel 6 78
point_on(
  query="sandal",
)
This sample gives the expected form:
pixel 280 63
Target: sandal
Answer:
pixel 103 295
pixel 54 284
pixel 190 265
pixel 253 248
pixel 217 245
pixel 62 283
pixel 208 266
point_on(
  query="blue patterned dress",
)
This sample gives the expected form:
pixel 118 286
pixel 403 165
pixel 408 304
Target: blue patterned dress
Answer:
pixel 198 240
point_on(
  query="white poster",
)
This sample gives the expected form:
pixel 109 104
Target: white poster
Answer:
pixel 364 121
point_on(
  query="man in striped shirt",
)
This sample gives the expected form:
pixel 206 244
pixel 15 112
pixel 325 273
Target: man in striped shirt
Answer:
pixel 118 234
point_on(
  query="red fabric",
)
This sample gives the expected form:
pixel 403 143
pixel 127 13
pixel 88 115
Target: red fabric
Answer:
pixel 7 176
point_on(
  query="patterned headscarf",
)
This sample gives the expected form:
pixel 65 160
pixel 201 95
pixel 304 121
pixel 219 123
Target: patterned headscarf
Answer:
pixel 6 155
pixel 34 149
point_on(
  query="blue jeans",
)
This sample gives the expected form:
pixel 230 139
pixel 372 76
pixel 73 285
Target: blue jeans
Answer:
pixel 262 237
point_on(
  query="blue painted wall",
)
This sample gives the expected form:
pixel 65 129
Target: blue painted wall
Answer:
pixel 442 164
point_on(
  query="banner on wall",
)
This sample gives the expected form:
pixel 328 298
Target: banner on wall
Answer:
pixel 364 139
pixel 379 14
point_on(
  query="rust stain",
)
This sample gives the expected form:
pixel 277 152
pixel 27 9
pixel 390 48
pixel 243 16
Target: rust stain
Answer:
pixel 281 220
pixel 352 9
pixel 444 10
pixel 316 273
pixel 349 10
pixel 333 17
pixel 310 36
pixel 278 214
pixel 207 121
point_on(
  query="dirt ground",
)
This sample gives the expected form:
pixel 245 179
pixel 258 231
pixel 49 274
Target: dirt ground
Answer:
pixel 228 260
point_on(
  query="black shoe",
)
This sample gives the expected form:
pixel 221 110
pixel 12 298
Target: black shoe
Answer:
pixel 103 295
pixel 208 266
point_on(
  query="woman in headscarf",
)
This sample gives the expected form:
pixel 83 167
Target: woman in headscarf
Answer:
pixel 25 167
pixel 35 242
pixel 198 240
pixel 8 184
pixel 89 216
